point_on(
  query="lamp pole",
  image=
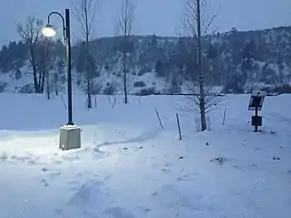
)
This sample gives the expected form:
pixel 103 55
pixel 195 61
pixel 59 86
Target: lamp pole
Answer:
pixel 67 37
pixel 69 65
pixel 70 135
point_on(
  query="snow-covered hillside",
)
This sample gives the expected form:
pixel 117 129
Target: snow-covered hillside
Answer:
pixel 128 167
pixel 136 83
pixel 237 61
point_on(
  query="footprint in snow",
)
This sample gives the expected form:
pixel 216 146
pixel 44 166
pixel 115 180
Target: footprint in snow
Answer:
pixel 59 211
pixel 165 170
pixel 144 209
pixel 170 197
pixel 185 177
pixel 45 183
pixel 3 157
pixel 44 169
pixel 73 185
pixel 116 212
pixel 71 158
pixel 88 193
pixel 57 162
pixel 168 165
pixel 54 175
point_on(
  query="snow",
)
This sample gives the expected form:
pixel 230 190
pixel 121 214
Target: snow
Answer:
pixel 14 85
pixel 70 127
pixel 149 78
pixel 128 167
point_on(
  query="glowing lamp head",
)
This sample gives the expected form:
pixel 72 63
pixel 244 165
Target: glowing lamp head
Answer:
pixel 48 31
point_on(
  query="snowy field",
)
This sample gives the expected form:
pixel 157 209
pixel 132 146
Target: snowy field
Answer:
pixel 128 167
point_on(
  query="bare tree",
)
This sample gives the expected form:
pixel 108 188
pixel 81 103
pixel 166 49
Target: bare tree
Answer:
pixel 59 74
pixel 196 25
pixel 44 65
pixel 48 64
pixel 86 13
pixel 124 30
pixel 30 33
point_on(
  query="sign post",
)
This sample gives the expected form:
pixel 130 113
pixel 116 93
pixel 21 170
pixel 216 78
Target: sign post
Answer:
pixel 256 104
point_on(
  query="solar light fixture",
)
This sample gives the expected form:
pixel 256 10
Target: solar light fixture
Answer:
pixel 256 104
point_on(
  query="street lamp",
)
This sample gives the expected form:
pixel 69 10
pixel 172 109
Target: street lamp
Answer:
pixel 70 136
pixel 49 31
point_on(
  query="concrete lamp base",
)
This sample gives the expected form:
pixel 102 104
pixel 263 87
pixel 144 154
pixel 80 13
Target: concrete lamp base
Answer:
pixel 70 137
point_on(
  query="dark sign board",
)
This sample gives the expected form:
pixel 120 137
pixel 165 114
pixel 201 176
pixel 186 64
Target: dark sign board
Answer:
pixel 257 100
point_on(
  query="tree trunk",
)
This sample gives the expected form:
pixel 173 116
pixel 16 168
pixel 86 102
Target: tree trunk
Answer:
pixel 41 74
pixel 48 85
pixel 89 100
pixel 87 57
pixel 34 70
pixel 200 70
pixel 42 82
pixel 125 77
pixel 56 87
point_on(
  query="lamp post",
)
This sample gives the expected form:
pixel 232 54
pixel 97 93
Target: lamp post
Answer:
pixel 70 134
pixel 48 31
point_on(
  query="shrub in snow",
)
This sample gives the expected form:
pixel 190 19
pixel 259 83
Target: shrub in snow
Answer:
pixel 96 88
pixel 2 86
pixel 144 70
pixel 109 89
pixel 139 84
pixel 18 74
pixel 173 90
pixel 233 86
pixel 63 79
pixel 160 69
pixel 106 66
pixel 149 91
pixel 28 88
pixel 283 89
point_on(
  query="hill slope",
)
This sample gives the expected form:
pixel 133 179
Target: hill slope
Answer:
pixel 237 61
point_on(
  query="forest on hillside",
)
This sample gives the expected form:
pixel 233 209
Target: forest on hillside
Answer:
pixel 237 61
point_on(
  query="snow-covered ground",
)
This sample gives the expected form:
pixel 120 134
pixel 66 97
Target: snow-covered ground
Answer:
pixel 128 167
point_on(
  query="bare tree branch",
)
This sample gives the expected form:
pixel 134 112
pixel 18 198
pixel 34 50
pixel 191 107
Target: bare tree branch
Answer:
pixel 208 23
pixel 85 11
pixel 123 28
pixel 196 25
pixel 190 18
pixel 30 34
pixel 125 19
pixel 30 31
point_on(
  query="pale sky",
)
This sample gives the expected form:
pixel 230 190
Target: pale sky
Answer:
pixel 160 17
